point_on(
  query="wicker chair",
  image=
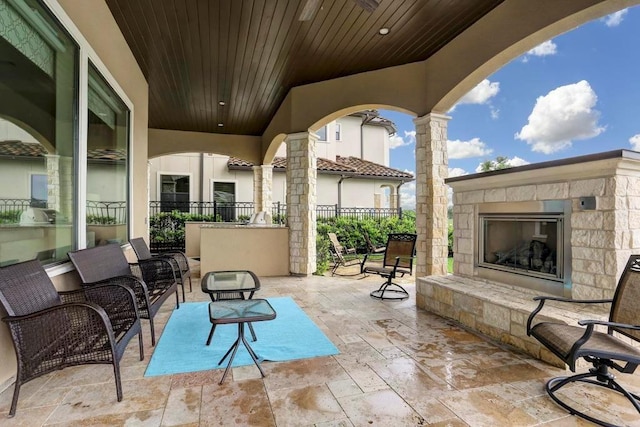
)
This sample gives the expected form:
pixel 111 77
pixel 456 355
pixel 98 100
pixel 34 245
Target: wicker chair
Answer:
pixel 152 281
pixel 178 259
pixel 52 330
pixel 342 257
pixel 397 261
pixel 604 350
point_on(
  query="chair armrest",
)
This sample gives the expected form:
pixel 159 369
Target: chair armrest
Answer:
pixel 609 324
pixel 51 325
pixel 575 301
pixel 138 286
pixel 157 273
pixel 545 298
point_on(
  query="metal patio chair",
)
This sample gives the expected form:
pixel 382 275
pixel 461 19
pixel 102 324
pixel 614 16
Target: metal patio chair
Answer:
pixel 152 281
pixel 342 257
pixel 604 350
pixel 397 261
pixel 178 259
pixel 53 330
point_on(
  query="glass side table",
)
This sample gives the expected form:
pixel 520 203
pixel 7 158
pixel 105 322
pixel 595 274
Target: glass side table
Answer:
pixel 230 285
pixel 240 312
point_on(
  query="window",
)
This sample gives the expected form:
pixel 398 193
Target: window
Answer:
pixel 338 132
pixel 322 133
pixel 107 160
pixel 38 134
pixel 39 190
pixel 224 194
pixel 174 193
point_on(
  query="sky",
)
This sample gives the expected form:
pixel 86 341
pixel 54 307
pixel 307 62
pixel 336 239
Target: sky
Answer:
pixel 576 94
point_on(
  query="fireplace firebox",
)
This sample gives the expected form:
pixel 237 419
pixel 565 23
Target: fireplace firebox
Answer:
pixel 526 244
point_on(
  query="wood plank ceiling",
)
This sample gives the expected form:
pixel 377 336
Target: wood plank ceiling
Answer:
pixel 196 54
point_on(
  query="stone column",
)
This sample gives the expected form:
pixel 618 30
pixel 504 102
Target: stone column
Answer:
pixel 301 202
pixel 431 194
pixel 263 188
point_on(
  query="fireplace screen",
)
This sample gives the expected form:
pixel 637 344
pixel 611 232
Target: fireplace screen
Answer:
pixel 530 245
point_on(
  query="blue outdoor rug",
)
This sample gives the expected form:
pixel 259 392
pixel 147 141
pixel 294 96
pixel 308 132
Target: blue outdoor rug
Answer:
pixel 181 348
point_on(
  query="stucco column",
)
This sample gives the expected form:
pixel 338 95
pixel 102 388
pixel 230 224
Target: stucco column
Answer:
pixel 431 194
pixel 301 202
pixel 263 188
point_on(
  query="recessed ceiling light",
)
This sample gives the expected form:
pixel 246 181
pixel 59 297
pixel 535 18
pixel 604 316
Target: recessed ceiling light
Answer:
pixel 220 124
pixel 383 31
pixel 221 103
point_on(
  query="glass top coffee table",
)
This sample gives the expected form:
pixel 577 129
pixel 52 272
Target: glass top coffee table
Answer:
pixel 230 285
pixel 240 312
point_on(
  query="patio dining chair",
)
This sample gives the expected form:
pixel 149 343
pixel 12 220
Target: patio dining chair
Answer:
pixel 152 281
pixel 53 330
pixel 178 260
pixel 397 261
pixel 342 257
pixel 616 349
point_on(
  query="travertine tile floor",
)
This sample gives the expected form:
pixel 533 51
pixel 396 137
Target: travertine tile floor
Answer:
pixel 398 366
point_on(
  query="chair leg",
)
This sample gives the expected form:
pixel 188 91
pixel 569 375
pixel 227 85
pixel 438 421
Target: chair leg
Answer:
pixel 116 372
pixel 213 329
pixel 190 288
pixel 603 379
pixel 178 297
pixel 182 286
pixel 153 332
pixel 16 393
pixel 393 294
pixel 141 345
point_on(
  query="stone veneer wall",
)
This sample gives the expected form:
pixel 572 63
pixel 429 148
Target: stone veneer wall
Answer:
pixel 602 240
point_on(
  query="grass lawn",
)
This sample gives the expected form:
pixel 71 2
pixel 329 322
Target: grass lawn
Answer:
pixel 450 265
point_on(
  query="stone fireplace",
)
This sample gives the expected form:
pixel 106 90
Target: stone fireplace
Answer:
pixel 564 227
pixel 526 244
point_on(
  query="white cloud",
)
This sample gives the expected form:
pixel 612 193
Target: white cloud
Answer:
pixel 466 149
pixel 513 162
pixel 408 195
pixel 457 172
pixel 614 19
pixel 544 49
pixel 495 113
pixel 635 142
pixel 481 94
pixel 563 115
pixel 396 140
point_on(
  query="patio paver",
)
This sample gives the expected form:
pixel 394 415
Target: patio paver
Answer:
pixel 398 365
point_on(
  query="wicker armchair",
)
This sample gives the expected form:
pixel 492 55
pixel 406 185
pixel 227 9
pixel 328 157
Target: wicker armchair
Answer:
pixel 178 259
pixel 52 330
pixel 152 281
pixel 604 350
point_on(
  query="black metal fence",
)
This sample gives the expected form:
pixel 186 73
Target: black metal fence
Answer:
pixel 167 229
pixel 105 213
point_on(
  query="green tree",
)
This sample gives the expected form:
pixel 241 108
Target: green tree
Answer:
pixel 500 162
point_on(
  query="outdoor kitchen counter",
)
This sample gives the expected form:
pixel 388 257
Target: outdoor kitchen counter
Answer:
pixel 262 249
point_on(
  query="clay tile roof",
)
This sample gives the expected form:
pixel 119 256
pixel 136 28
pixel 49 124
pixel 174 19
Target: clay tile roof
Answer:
pixel 28 149
pixel 348 165
pixel 367 168
pixel 21 149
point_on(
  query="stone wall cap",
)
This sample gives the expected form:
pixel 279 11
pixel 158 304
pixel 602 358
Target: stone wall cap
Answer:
pixel 621 154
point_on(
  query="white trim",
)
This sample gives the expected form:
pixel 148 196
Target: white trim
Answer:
pixel 86 54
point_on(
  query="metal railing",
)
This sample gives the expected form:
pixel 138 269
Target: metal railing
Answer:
pixel 333 211
pixel 11 209
pixel 106 213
